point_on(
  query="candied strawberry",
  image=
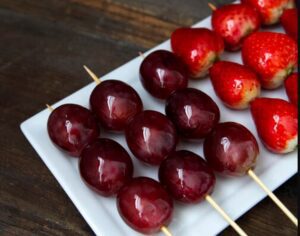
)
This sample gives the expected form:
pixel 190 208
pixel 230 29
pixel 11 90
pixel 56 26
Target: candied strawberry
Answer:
pixel 234 22
pixel 276 122
pixel 199 48
pixel 289 21
pixel 270 10
pixel 273 56
pixel 291 88
pixel 236 85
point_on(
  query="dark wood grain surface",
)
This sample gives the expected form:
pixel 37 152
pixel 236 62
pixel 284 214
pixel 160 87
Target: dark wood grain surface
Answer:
pixel 43 44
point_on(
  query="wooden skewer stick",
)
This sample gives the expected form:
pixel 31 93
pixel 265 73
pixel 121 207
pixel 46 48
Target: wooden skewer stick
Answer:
pixel 234 225
pixel 273 197
pixel 92 74
pixel 166 231
pixel 212 6
pixel 49 107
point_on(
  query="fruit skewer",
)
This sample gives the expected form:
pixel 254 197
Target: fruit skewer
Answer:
pixel 164 228
pixel 255 178
pixel 208 197
pixel 189 180
pixel 160 61
pixel 150 135
pixel 231 149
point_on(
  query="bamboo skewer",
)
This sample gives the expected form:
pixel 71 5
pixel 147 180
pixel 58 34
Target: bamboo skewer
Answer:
pixel 166 231
pixel 92 74
pixel 233 224
pixel 212 6
pixel 273 197
pixel 49 107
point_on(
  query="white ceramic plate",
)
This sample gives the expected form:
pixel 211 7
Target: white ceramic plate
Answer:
pixel 235 195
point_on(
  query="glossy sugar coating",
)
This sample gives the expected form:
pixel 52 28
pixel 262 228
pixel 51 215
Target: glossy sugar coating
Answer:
pixel 276 122
pixel 115 103
pixel 105 166
pixel 231 149
pixel 199 48
pixel 270 10
pixel 193 113
pixel 186 176
pixel 145 205
pixel 236 85
pixel 273 56
pixel 291 87
pixel 289 21
pixel 151 137
pixel 162 72
pixel 234 22
pixel 72 127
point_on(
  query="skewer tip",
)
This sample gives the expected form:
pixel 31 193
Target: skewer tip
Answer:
pixel 212 6
pixel 166 231
pixel 49 107
pixel 92 74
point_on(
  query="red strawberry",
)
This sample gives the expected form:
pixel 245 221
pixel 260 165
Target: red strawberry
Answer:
pixel 276 123
pixel 289 21
pixel 235 84
pixel 234 22
pixel 273 56
pixel 270 10
pixel 291 88
pixel 199 48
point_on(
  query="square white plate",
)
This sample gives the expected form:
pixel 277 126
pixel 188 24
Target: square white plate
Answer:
pixel 235 195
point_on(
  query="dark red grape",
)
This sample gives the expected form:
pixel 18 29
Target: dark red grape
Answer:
pixel 105 166
pixel 151 137
pixel 115 103
pixel 145 205
pixel 193 112
pixel 162 72
pixel 71 127
pixel 186 176
pixel 231 149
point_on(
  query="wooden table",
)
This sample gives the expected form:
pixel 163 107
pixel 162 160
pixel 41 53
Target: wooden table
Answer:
pixel 43 45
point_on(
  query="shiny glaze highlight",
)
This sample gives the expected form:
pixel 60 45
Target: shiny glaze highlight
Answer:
pixel 71 127
pixel 145 205
pixel 193 112
pixel 115 103
pixel 151 137
pixel 231 149
pixel 105 166
pixel 234 22
pixel 186 176
pixel 276 122
pixel 162 72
